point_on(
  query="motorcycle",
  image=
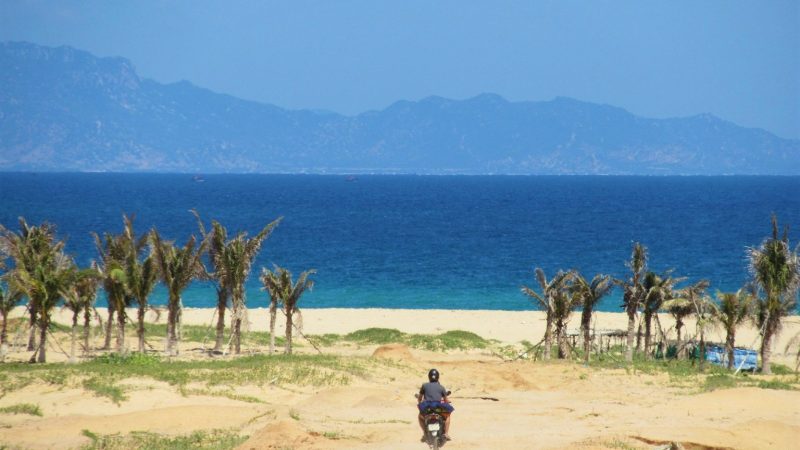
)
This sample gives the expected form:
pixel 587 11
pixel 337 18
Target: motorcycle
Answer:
pixel 433 419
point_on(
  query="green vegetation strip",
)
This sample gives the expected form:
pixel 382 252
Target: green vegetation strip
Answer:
pixel 450 340
pixel 22 408
pixel 141 440
pixel 215 377
pixel 686 372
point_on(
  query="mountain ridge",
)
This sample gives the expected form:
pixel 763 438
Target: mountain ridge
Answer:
pixel 63 109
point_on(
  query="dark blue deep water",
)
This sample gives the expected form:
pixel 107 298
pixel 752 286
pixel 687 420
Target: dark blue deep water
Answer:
pixel 461 242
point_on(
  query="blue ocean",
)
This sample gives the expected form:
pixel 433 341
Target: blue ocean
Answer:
pixel 454 242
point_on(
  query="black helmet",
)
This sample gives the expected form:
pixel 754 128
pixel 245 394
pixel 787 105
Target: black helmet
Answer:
pixel 433 375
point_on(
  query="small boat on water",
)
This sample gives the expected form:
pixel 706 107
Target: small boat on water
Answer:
pixel 198 179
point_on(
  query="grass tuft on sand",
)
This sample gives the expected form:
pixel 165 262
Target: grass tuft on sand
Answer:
pixel 22 408
pixel 142 440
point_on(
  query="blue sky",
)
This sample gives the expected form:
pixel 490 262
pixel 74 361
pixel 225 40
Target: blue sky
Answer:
pixel 737 60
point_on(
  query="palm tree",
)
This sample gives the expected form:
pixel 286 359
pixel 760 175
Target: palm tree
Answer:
pixel 45 287
pixel 177 268
pixel 563 305
pixel 232 263
pixel 9 299
pixel 272 284
pixel 692 300
pixel 658 288
pixel 279 284
pixel 680 309
pixel 216 245
pixel 140 275
pixel 776 272
pixel 546 301
pixel 589 294
pixel 79 298
pixel 113 251
pixel 634 292
pixel 735 308
pixel 26 248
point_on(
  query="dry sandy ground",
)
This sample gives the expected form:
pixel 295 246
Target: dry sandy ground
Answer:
pixel 498 404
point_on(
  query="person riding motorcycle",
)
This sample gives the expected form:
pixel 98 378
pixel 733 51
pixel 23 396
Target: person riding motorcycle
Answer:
pixel 433 395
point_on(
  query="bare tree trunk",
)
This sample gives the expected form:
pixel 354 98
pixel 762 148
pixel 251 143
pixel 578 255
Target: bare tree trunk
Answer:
pixel 172 337
pixel 561 339
pixel 32 336
pixel 45 324
pixel 648 319
pixel 121 317
pixel 109 325
pixel 87 319
pixel 639 337
pixel 140 329
pixel 222 304
pixel 548 335
pixel 629 341
pixel 4 328
pixel 74 336
pixel 702 356
pixel 273 309
pixel 237 336
pixel 730 340
pixel 289 313
pixel 678 327
pixel 4 336
pixel 586 321
pixel 766 351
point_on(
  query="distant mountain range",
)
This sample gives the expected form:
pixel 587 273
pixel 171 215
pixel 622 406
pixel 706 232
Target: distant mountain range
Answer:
pixel 63 109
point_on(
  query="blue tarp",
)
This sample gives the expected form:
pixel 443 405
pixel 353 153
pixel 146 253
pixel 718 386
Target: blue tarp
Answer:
pixel 747 358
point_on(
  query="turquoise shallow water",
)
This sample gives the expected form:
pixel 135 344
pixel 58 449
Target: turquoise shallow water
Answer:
pixel 461 242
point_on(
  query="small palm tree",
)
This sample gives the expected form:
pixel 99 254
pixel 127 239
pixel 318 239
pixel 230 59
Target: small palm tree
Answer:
pixel 546 301
pixel 112 251
pixel 45 287
pixel 26 248
pixel 279 284
pixel 177 267
pixel 634 292
pixel 735 308
pixel 141 275
pixel 563 306
pixel 272 284
pixel 679 309
pixel 9 299
pixel 233 264
pixel 216 246
pixel 589 295
pixel 776 273
pixel 658 289
pixel 692 300
pixel 79 298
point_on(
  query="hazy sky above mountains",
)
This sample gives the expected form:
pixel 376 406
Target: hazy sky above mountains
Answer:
pixel 737 60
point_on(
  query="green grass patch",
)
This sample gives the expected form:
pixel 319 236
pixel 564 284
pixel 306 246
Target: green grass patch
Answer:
pixel 775 384
pixel 376 336
pixel 22 408
pixel 719 381
pixel 105 388
pixel 142 440
pixel 450 340
pixel 780 369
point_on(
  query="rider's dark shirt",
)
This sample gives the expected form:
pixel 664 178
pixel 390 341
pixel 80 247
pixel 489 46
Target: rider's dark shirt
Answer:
pixel 433 392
